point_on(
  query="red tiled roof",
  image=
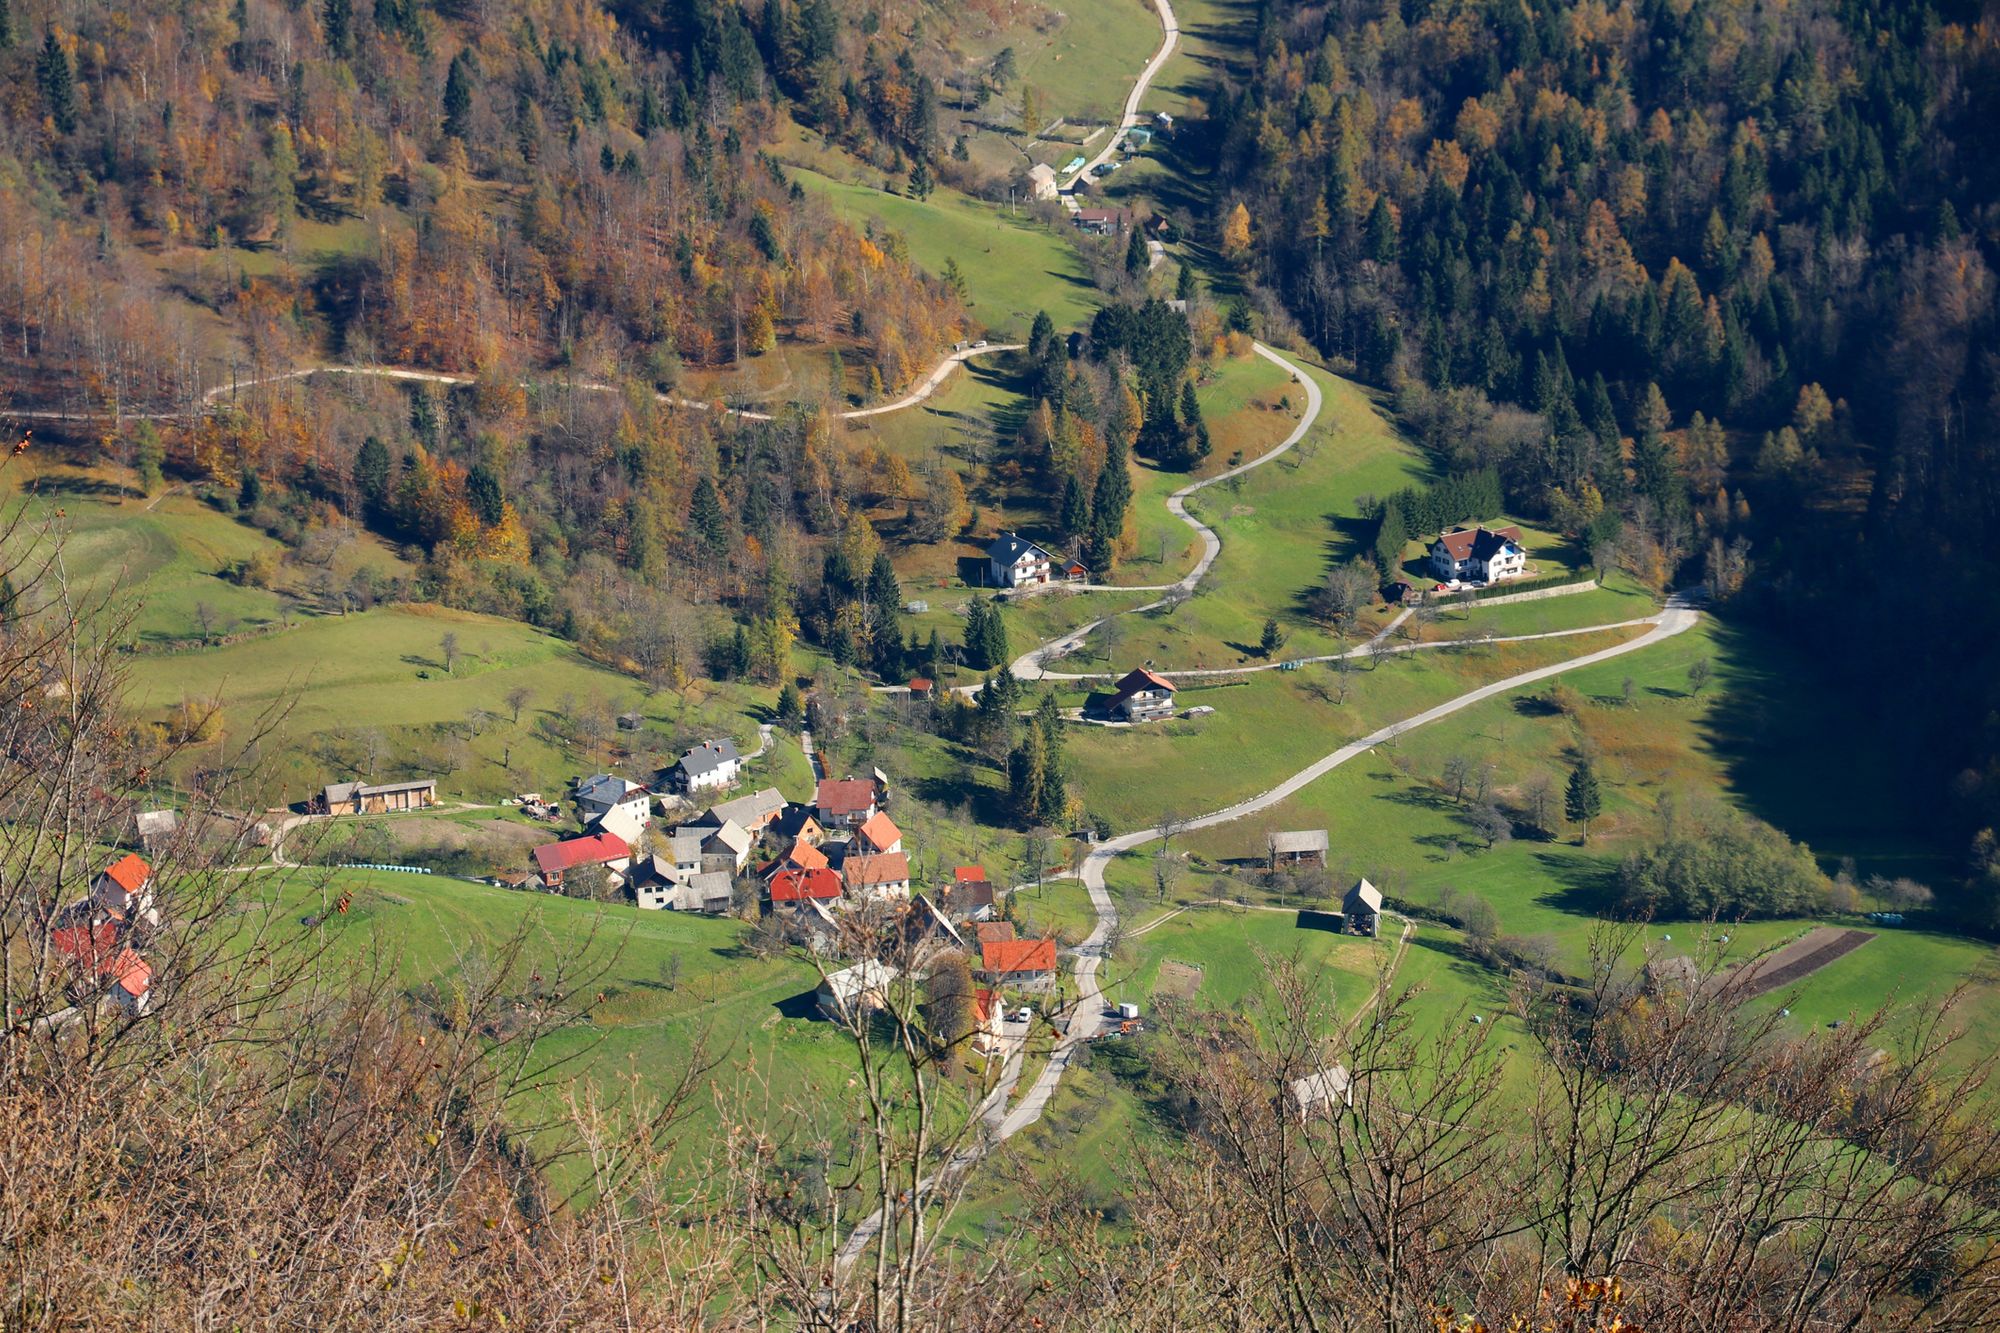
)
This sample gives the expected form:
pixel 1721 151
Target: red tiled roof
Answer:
pixel 791 886
pixel 1017 956
pixel 596 849
pixel 1459 542
pixel 880 830
pixel 983 1004
pixel 802 855
pixel 969 875
pixel 888 868
pixel 844 797
pixel 1140 678
pixel 129 873
pixel 920 684
pixel 131 971
pixel 88 945
pixel 991 931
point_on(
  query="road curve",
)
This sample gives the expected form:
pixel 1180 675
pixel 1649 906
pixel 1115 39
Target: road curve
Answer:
pixel 1172 35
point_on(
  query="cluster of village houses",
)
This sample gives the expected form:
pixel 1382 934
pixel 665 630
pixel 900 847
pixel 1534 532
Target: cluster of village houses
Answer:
pixel 102 936
pixel 810 864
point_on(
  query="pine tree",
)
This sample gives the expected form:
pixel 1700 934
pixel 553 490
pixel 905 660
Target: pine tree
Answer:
pixel 1027 772
pixel 58 82
pixel 1075 514
pixel 371 475
pixel 1582 801
pixel 706 518
pixel 1382 238
pixel 1390 539
pixel 1273 638
pixel 458 96
pixel 791 708
pixel 975 635
pixel 994 643
pixel 1041 334
pixel 7 38
pixel 1184 286
pixel 1135 252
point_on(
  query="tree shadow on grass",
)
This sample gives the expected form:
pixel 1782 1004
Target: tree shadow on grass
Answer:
pixel 955 793
pixel 804 1005
pixel 1461 964
pixel 1580 885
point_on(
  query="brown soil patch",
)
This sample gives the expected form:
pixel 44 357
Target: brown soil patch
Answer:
pixel 1801 958
pixel 1177 980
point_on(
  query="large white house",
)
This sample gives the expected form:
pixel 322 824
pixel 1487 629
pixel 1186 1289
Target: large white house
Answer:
pixel 1479 555
pixel 603 793
pixel 1016 562
pixel 708 765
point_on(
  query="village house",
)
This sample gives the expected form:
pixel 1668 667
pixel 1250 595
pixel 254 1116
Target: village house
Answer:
pixel 790 888
pixel 796 823
pixel 1320 1093
pixel 989 1013
pixel 1362 907
pixel 683 853
pixel 885 876
pixel 657 883
pixel 707 766
pixel 844 803
pixel 801 855
pixel 124 889
pixel 1015 562
pixel 1479 555
pixel 921 687
pixel 878 835
pixel 1022 964
pixel 753 812
pixel 727 848
pixel 555 859
pixel 360 798
pixel 971 893
pixel 992 932
pixel 607 794
pixel 1042 181
pixel 1101 221
pixel 847 995
pixel 628 820
pixel 925 932
pixel 1303 847
pixel 1143 696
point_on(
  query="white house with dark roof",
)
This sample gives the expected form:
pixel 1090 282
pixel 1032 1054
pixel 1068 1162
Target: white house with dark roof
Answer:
pixel 1143 696
pixel 1042 181
pixel 1016 562
pixel 602 793
pixel 1479 555
pixel 707 766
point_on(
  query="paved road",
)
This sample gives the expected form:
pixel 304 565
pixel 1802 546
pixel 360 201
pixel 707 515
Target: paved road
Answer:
pixel 1172 35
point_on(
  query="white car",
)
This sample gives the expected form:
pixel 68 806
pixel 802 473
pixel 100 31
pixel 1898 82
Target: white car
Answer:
pixel 1024 1015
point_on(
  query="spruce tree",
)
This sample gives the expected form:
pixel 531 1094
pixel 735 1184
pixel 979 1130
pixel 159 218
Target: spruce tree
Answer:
pixel 1075 514
pixel 1135 252
pixel 6 26
pixel 458 96
pixel 58 83
pixel 995 639
pixel 371 475
pixel 1040 335
pixel 1582 801
pixel 338 20
pixel 1027 772
pixel 975 635
pixel 1184 286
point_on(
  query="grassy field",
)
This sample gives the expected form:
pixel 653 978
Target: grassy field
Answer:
pixel 334 690
pixel 1013 266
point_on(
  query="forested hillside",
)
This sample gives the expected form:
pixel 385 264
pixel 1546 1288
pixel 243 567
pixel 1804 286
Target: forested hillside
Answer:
pixel 1709 284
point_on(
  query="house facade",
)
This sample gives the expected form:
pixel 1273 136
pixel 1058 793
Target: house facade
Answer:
pixel 1015 562
pixel 844 803
pixel 884 876
pixel 1042 181
pixel 604 793
pixel 707 766
pixel 1143 696
pixel 554 859
pixel 1479 555
pixel 1023 964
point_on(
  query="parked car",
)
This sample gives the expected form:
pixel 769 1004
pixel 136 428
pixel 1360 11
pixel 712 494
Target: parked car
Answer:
pixel 1024 1015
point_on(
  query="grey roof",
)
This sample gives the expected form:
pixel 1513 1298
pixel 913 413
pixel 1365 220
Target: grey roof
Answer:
pixel 733 836
pixel 709 757
pixel 851 982
pixel 152 822
pixel 605 789
pixel 1042 171
pixel 1367 895
pixel 1332 1084
pixel 1301 840
pixel 684 846
pixel 1008 548
pixel 710 885
pixel 754 810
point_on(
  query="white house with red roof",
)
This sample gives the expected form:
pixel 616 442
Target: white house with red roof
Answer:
pixel 555 859
pixel 879 835
pixel 1479 555
pixel 792 888
pixel 884 876
pixel 1143 695
pixel 845 802
pixel 125 887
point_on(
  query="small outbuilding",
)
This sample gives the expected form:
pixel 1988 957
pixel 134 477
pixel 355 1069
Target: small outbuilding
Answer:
pixel 1300 847
pixel 848 994
pixel 1042 181
pixel 1320 1093
pixel 1363 908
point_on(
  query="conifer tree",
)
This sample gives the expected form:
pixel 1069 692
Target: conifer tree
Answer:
pixel 58 83
pixel 458 96
pixel 1582 801
pixel 1135 252
pixel 6 25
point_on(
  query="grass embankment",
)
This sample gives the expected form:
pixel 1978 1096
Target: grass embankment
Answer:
pixel 339 691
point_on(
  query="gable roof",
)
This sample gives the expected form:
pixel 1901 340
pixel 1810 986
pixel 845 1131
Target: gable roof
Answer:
pixel 969 895
pixel 1475 543
pixel 754 811
pixel 880 830
pixel 844 796
pixel 152 822
pixel 711 886
pixel 802 855
pixel 1017 955
pixel 709 757
pixel 1366 894
pixel 1331 1084
pixel 129 873
pixel 1042 171
pixel 988 932
pixel 794 821
pixel 1010 548
pixel 865 976
pixel 685 844
pixel 131 973
pixel 1141 678
pixel 969 875
pixel 594 849
pixel 1302 840
pixel 606 788
pixel 734 836
pixel 791 886
pixel 984 1002
pixel 865 871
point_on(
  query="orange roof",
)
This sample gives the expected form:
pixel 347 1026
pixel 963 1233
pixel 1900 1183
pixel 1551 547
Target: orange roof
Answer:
pixel 791 886
pixel 866 871
pixel 804 856
pixel 969 875
pixel 131 971
pixel 920 685
pixel 989 931
pixel 1017 956
pixel 846 796
pixel 983 1002
pixel 129 873
pixel 881 831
